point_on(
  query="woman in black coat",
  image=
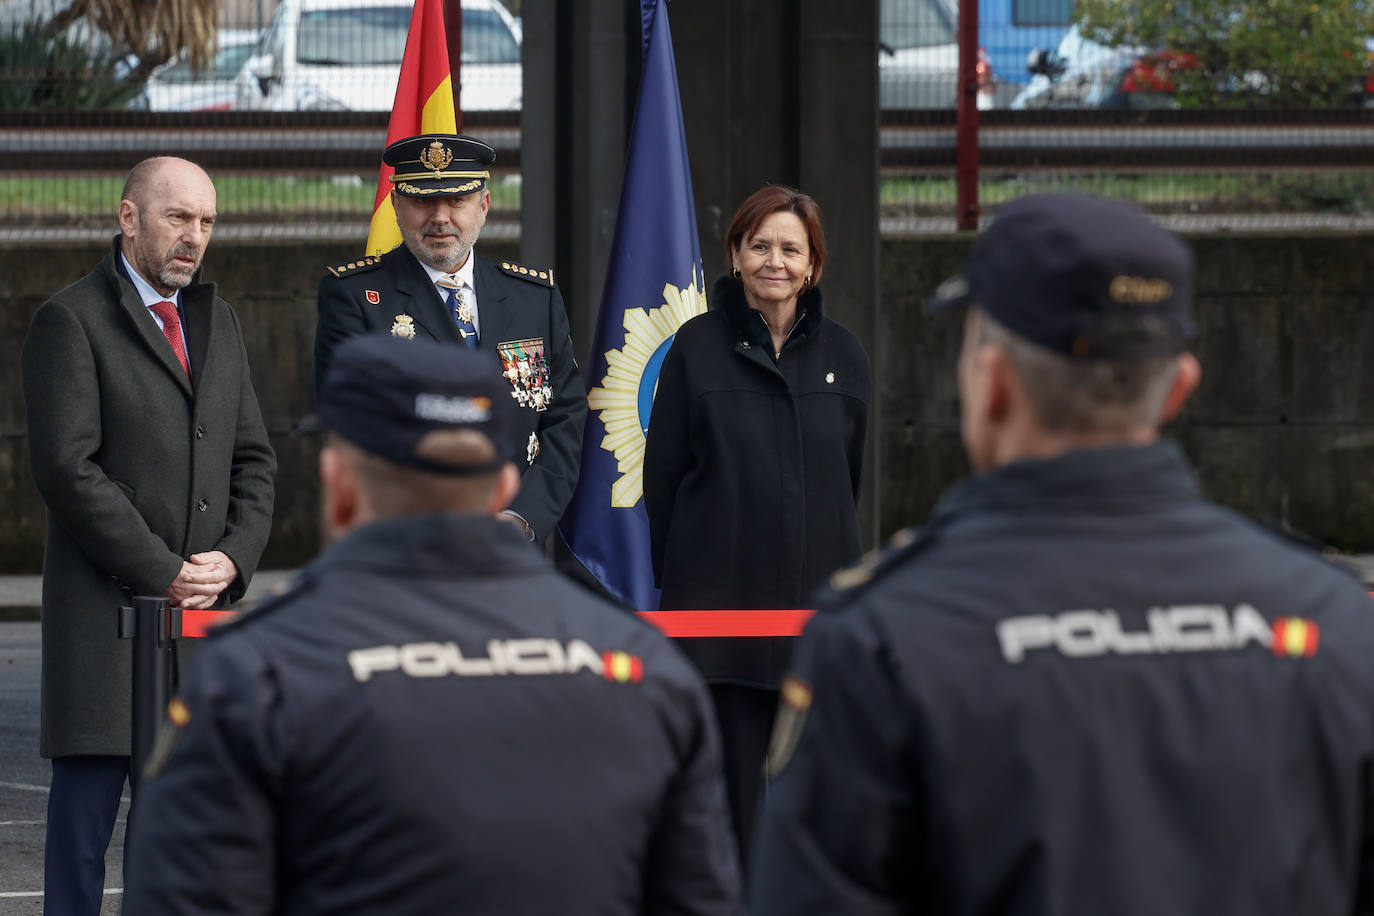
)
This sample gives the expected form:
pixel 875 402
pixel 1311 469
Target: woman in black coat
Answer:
pixel 753 461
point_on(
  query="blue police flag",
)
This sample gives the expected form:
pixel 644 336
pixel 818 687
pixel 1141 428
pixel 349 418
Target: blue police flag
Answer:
pixel 653 285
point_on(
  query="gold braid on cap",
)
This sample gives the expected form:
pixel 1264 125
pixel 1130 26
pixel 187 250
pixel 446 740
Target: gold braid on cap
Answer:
pixel 412 176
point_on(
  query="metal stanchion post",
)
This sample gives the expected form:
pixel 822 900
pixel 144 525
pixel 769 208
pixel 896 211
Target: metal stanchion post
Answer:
pixel 149 624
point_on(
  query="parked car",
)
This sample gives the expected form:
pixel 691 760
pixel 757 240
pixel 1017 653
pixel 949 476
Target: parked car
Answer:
pixel 1010 29
pixel 177 86
pixel 345 55
pixel 918 56
pixel 1081 73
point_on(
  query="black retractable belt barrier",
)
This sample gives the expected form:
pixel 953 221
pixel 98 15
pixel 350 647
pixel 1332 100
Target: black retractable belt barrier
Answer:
pixel 154 627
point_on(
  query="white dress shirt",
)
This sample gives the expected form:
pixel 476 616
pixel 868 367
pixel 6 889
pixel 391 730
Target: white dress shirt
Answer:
pixel 464 277
pixel 151 297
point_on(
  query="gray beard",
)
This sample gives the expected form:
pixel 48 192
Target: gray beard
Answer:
pixel 175 277
pixel 447 265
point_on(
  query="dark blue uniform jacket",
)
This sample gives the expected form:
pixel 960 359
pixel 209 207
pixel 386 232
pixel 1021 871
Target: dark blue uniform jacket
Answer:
pixel 516 305
pixel 433 721
pixel 1083 689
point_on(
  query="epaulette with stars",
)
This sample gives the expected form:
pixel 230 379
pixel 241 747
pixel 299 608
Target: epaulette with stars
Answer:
pixel 361 265
pixel 542 276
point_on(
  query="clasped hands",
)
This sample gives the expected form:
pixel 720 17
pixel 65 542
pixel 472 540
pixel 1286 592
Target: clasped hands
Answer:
pixel 201 580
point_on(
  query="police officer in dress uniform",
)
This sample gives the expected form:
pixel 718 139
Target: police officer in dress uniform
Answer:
pixel 432 720
pixel 434 287
pixel 1081 688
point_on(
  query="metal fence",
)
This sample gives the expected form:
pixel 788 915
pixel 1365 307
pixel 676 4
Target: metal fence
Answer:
pixel 285 172
pixel 1174 130
pixel 290 119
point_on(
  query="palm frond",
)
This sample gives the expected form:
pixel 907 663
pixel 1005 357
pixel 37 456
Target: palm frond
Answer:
pixel 159 28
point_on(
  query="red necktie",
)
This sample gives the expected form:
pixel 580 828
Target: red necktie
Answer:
pixel 171 329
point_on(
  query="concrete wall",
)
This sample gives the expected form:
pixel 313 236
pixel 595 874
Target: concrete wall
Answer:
pixel 1283 425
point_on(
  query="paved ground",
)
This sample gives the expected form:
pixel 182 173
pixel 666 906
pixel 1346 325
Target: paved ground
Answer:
pixel 24 777
pixel 24 783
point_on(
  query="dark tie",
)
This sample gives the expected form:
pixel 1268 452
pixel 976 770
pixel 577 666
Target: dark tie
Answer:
pixel 459 307
pixel 171 329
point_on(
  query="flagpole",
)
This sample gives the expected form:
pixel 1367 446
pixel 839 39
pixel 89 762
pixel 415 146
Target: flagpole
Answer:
pixel 453 27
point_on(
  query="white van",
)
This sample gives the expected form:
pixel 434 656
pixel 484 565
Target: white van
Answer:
pixel 345 55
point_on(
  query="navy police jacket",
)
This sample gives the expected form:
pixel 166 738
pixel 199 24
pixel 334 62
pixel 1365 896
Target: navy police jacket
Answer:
pixel 1083 689
pixel 433 721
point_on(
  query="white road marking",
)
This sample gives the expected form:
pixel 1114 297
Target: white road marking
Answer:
pixel 108 892
pixel 118 820
pixel 24 787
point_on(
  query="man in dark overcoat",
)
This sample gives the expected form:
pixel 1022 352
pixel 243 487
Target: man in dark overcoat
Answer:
pixel 149 450
pixel 433 286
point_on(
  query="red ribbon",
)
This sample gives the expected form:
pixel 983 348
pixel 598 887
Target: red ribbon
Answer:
pixel 686 624
pixel 672 623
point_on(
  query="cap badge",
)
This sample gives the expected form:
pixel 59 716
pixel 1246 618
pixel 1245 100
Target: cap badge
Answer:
pixel 526 368
pixel 404 327
pixel 532 449
pixel 373 296
pixel 1139 290
pixel 436 156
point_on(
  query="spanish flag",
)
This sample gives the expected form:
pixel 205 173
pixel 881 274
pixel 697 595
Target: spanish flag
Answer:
pixel 424 104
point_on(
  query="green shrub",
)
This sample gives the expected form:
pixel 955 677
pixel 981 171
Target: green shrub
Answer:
pixel 1260 53
pixel 46 72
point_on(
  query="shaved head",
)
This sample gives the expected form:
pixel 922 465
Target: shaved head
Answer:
pixel 144 177
pixel 166 214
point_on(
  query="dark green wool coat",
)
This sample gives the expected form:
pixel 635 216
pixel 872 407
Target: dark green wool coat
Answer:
pixel 139 467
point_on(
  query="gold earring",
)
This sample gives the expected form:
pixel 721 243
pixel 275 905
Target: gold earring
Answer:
pixel 736 273
pixel 807 281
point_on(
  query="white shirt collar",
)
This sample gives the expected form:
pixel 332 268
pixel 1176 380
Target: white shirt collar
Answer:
pixel 464 273
pixel 145 289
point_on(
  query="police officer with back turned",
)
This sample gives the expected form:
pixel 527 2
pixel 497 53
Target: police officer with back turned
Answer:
pixel 431 720
pixel 1081 688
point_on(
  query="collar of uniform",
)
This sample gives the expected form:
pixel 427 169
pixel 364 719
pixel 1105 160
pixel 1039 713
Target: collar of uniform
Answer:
pixel 728 296
pixel 451 544
pixel 464 273
pixel 1124 475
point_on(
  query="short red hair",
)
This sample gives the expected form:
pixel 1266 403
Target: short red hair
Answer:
pixel 776 198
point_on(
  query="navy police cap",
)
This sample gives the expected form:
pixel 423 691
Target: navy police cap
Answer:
pixel 384 394
pixel 439 165
pixel 1082 276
